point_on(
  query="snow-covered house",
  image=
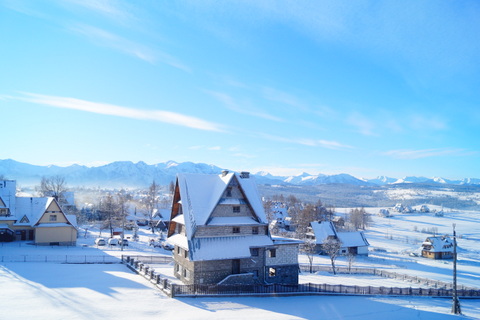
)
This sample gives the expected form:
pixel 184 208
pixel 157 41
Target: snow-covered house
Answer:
pixel 220 233
pixel 34 218
pixel 439 247
pixel 351 242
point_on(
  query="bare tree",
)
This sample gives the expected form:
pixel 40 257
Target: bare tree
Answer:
pixel 331 246
pixel 359 219
pixel 54 186
pixel 309 247
pixel 350 259
pixel 122 212
pixel 109 208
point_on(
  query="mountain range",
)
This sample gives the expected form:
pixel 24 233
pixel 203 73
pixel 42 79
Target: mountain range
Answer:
pixel 137 175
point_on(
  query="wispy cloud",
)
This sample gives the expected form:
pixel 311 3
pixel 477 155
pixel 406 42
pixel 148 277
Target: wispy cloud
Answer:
pixel 119 111
pixel 233 105
pixel 425 153
pixel 362 123
pixel 108 39
pixel 334 145
pixel 283 97
pixel 112 9
pixel 428 122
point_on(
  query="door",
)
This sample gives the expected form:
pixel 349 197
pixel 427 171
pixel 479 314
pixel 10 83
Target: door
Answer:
pixel 236 266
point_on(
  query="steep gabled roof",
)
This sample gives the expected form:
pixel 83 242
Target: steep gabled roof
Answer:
pixel 352 239
pixel 2 204
pixel 322 230
pixel 33 208
pixel 201 193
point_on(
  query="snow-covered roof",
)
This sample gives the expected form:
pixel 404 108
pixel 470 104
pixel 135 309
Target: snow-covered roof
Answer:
pixel 179 219
pixel 200 194
pixel 53 225
pixel 72 219
pixel 277 240
pixel 439 244
pixel 322 230
pixel 352 239
pixel 31 207
pixel 214 248
pixel 231 221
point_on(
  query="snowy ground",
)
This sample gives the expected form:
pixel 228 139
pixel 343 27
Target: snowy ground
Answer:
pixel 112 291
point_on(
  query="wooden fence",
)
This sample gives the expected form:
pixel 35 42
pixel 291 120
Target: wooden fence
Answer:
pixel 309 289
pixel 386 274
pixel 137 264
pixel 74 259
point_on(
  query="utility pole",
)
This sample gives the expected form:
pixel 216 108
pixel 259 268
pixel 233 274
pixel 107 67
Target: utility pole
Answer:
pixel 456 303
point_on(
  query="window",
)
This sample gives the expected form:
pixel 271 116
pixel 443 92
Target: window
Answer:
pixel 236 209
pixel 177 267
pixel 185 253
pixel 236 229
pixel 229 192
pixel 178 250
pixel 53 217
pixel 185 273
pixel 254 230
pixel 272 272
pixel 254 252
pixel 272 253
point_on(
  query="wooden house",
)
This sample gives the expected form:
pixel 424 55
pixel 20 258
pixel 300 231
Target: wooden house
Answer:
pixel 351 242
pixel 438 247
pixel 37 219
pixel 220 233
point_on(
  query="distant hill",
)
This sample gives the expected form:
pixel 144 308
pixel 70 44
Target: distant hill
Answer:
pixel 138 175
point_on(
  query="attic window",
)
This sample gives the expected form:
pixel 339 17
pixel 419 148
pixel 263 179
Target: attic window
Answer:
pixel 272 253
pixel 53 217
pixel 254 230
pixel 229 192
pixel 254 252
pixel 236 229
pixel 236 209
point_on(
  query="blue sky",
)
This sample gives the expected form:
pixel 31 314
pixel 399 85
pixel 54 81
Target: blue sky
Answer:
pixel 361 87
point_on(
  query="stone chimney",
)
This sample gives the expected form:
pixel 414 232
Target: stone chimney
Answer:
pixel 244 175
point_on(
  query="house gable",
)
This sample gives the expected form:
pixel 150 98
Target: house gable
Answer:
pixel 53 214
pixel 24 219
pixel 233 203
pixel 2 204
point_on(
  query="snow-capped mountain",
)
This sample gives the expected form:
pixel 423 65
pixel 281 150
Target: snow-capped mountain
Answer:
pixel 128 174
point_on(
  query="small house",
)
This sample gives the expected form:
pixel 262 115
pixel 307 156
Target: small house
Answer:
pixel 351 242
pixel 439 247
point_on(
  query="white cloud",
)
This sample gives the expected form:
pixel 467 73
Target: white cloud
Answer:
pixel 363 124
pixel 119 111
pixel 231 104
pixel 424 153
pixel 334 145
pixel 105 38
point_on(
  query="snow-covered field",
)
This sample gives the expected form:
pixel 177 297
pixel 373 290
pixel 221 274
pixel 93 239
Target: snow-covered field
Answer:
pixel 112 291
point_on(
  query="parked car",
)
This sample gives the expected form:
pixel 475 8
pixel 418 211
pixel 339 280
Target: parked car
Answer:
pixel 123 242
pixel 167 246
pixel 156 243
pixel 100 242
pixel 113 241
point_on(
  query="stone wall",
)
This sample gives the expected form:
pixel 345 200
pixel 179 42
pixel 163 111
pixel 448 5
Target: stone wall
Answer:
pixel 286 254
pixel 219 231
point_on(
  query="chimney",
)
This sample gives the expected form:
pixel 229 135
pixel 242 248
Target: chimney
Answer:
pixel 244 175
pixel 224 173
